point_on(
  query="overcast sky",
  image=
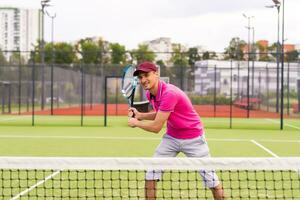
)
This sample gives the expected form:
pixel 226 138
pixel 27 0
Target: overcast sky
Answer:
pixel 210 23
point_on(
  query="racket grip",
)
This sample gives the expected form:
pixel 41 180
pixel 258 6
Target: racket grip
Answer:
pixel 132 115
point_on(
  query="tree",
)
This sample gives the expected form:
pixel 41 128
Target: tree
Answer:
pixel 273 50
pixel 118 54
pixel 89 51
pixel 64 53
pixel 162 67
pixel 263 52
pixel 2 58
pixel 16 59
pixel 179 72
pixel 235 49
pixel 193 56
pixel 178 57
pixel 292 56
pixel 143 53
pixel 209 55
pixel 103 48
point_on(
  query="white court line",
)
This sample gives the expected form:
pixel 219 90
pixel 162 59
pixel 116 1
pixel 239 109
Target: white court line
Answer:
pixel 247 140
pixel 77 137
pixel 134 138
pixel 14 118
pixel 34 186
pixel 265 148
pixel 285 124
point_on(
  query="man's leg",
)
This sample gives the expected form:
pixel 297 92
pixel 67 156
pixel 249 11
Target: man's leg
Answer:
pixel 150 189
pixel 198 148
pixel 167 148
pixel 218 192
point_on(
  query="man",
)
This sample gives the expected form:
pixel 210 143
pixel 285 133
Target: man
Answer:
pixel 184 128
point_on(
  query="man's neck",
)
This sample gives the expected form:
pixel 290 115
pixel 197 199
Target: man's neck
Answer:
pixel 154 90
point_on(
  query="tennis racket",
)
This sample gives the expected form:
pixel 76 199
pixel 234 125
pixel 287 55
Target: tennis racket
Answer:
pixel 129 83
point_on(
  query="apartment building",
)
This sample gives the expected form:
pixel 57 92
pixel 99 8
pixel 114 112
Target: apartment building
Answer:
pixel 19 29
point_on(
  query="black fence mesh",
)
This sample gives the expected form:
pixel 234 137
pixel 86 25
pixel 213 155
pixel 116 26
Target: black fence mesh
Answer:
pixel 217 88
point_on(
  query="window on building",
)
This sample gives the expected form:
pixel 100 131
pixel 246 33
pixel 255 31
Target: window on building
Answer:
pixel 234 77
pixel 225 82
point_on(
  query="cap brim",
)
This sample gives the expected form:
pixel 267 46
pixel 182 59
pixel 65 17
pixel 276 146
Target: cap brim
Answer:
pixel 137 72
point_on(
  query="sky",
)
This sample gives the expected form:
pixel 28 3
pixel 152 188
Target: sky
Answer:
pixel 208 23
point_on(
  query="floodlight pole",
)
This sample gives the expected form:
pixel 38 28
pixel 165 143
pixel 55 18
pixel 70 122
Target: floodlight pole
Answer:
pixel 277 57
pixel 52 58
pixel 44 3
pixel 282 68
pixel 253 58
pixel 248 59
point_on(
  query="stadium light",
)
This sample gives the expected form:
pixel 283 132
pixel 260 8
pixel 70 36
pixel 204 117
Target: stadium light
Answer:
pixel 44 4
pixel 277 5
pixel 276 2
pixel 52 56
pixel 248 60
pixel 282 68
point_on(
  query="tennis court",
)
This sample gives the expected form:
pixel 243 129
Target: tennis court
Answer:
pixel 61 136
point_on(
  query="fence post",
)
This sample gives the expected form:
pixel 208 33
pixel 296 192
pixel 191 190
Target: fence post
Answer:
pixel 267 82
pixel 215 90
pixel 230 93
pixel 298 86
pixel 33 87
pixel 105 102
pixel 82 93
pixel 19 86
pixel 288 89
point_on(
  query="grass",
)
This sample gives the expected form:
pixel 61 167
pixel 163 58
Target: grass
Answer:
pixel 63 136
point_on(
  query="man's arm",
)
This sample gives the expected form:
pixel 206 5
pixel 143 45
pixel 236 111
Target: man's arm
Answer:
pixel 140 115
pixel 148 116
pixel 152 125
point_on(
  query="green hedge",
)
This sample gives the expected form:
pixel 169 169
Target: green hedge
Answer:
pixel 209 99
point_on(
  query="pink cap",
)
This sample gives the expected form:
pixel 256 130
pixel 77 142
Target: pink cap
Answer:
pixel 145 67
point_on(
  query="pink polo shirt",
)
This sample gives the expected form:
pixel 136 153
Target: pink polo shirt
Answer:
pixel 183 122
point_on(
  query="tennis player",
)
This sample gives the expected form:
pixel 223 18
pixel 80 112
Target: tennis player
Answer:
pixel 185 132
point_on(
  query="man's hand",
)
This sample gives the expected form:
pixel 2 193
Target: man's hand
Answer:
pixel 134 112
pixel 132 122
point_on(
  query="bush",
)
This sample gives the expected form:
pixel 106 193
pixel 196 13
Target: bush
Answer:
pixel 209 99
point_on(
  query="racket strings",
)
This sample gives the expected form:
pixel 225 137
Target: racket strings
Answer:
pixel 129 83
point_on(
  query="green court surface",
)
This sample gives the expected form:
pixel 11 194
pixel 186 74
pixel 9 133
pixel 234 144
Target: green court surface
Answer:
pixel 62 136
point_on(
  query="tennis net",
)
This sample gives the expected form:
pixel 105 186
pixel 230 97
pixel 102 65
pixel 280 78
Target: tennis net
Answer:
pixel 124 178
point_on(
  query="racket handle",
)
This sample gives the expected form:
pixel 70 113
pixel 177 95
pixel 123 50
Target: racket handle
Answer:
pixel 133 114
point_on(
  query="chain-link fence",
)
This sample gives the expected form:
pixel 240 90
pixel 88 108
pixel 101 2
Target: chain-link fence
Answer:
pixel 217 88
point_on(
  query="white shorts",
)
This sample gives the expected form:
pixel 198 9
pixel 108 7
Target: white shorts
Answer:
pixel 196 147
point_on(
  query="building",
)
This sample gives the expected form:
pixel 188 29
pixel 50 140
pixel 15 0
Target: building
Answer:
pixel 297 48
pixel 211 74
pixel 288 48
pixel 263 51
pixel 162 47
pixel 19 29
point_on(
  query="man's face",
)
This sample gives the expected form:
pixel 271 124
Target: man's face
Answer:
pixel 148 79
